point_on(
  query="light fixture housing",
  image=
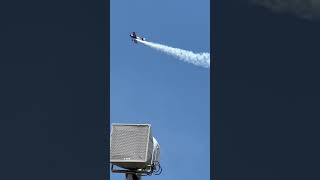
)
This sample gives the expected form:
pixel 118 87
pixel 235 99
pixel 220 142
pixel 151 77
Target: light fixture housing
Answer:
pixel 133 147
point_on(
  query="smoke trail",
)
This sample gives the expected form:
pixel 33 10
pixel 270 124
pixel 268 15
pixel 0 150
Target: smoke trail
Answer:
pixel 199 59
pixel 308 9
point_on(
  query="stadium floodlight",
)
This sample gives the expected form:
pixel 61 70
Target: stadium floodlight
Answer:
pixel 134 150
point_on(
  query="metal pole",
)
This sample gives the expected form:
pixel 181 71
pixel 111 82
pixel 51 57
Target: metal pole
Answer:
pixel 130 176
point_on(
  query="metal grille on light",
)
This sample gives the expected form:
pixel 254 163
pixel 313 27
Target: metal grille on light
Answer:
pixel 129 142
pixel 131 146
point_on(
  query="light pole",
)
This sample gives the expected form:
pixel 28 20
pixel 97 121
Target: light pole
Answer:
pixel 130 176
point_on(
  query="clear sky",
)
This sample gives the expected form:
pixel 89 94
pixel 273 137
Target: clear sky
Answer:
pixel 151 87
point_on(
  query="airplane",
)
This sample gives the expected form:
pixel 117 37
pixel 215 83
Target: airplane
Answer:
pixel 134 37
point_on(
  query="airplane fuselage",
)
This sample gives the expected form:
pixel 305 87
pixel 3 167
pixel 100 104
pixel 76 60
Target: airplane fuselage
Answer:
pixel 135 37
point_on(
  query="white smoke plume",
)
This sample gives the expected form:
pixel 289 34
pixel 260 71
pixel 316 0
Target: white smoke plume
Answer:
pixel 308 9
pixel 198 59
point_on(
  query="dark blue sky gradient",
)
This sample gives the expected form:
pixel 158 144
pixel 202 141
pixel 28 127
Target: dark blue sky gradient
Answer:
pixel 53 90
pixel 268 98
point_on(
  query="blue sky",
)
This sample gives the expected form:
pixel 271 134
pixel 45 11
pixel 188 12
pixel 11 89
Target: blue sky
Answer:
pixel 151 87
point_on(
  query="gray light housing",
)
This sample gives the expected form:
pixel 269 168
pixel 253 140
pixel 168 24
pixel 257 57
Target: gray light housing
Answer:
pixel 131 146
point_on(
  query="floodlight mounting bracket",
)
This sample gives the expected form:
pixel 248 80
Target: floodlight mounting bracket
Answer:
pixel 141 172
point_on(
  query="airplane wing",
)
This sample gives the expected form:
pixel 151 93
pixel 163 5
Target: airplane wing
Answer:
pixel 134 40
